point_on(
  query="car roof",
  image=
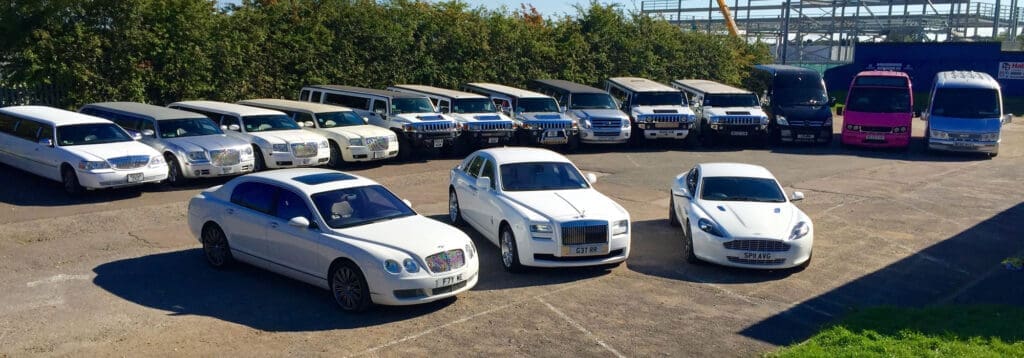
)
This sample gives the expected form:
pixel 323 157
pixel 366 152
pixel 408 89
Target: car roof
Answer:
pixel 290 105
pixel 226 108
pixel 437 91
pixel 507 90
pixel 52 116
pixel 568 86
pixel 638 84
pixel 319 180
pixel 506 155
pixel 734 170
pixel 143 109
pixel 965 79
pixel 710 87
pixel 883 73
pixel 785 69
pixel 370 91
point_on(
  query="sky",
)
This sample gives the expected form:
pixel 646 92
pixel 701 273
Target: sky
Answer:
pixel 545 7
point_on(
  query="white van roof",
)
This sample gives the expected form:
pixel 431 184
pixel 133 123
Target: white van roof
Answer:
pixel 290 105
pixel 708 87
pixel 506 90
pixel 226 108
pixel 968 79
pixel 637 84
pixel 53 116
pixel 435 91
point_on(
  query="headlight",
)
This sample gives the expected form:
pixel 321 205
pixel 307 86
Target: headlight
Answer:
pixel 409 128
pixel 470 250
pixel 526 126
pixel 939 134
pixel 800 230
pixel 197 156
pixel 280 148
pixel 357 142
pixel 990 137
pixel 324 145
pixel 827 122
pixel 156 160
pixel 781 120
pixel 93 165
pixel 392 266
pixel 410 266
pixel 247 150
pixel 540 228
pixel 620 227
pixel 392 138
pixel 709 227
pixel 853 127
pixel 764 120
pixel 587 124
pixel 625 123
pixel 714 119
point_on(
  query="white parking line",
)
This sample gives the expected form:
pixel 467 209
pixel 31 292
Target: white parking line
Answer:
pixel 582 329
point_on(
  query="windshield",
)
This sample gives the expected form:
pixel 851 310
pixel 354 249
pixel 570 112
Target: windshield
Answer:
pixel 92 133
pixel 338 119
pixel 799 89
pixel 411 105
pixel 966 103
pixel 474 105
pixel 273 122
pixel 528 105
pixel 659 99
pixel 187 127
pixel 359 206
pixel 592 101
pixel 731 100
pixel 742 189
pixel 878 100
pixel 541 176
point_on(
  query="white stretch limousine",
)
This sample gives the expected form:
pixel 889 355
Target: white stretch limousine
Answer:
pixel 81 151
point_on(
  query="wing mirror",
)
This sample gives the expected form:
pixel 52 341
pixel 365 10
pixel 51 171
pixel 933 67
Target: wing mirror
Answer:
pixel 299 222
pixel 366 120
pixel 148 133
pixel 407 202
pixel 234 127
pixel 592 178
pixel 46 142
pixel 839 110
pixel 483 183
pixel 135 135
pixel 831 101
pixel 924 116
pixel 797 196
pixel 562 109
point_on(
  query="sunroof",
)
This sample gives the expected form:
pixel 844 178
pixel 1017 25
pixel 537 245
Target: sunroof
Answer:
pixel 315 179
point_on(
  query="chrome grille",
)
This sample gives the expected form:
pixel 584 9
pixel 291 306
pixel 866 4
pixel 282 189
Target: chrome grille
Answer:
pixel 550 124
pixel 602 123
pixel 662 118
pixel 446 261
pixel 967 137
pixel 585 232
pixel 376 143
pixel 129 162
pixel 793 123
pixel 490 126
pixel 755 261
pixel 225 157
pixel 739 120
pixel 439 126
pixel 757 245
pixel 304 150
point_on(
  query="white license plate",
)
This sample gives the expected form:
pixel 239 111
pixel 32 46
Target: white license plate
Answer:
pixel 757 255
pixel 875 137
pixel 492 140
pixel 438 143
pixel 739 133
pixel 448 281
pixel 666 125
pixel 305 161
pixel 585 250
pixel 135 177
pixel 963 144
pixel 378 155
pixel 804 136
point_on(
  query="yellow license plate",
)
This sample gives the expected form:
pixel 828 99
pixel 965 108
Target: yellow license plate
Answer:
pixel 585 250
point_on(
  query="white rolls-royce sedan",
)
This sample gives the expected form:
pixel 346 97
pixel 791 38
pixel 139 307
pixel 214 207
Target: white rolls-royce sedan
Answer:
pixel 80 151
pixel 738 215
pixel 338 231
pixel 538 208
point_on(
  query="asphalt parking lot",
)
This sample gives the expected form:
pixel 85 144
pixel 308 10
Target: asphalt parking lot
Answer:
pixel 117 273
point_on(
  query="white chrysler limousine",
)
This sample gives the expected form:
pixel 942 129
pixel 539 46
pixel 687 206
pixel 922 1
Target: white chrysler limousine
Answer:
pixel 337 231
pixel 80 151
pixel 538 208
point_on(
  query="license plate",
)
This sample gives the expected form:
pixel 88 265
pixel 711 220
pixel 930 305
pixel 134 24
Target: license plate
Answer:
pixel 585 250
pixel 492 140
pixel 739 133
pixel 804 136
pixel 378 155
pixel 963 144
pixel 135 177
pixel 757 255
pixel 226 170
pixel 448 281
pixel 875 137
pixel 438 143
pixel 666 125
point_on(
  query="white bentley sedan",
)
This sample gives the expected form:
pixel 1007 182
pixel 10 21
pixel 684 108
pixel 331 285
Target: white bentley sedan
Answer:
pixel 538 208
pixel 738 215
pixel 337 231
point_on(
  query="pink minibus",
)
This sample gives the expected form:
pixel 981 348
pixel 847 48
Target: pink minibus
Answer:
pixel 879 110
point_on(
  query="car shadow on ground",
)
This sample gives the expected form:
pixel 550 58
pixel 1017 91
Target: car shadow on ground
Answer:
pixel 915 152
pixel 494 277
pixel 963 269
pixel 181 283
pixel 25 189
pixel 657 250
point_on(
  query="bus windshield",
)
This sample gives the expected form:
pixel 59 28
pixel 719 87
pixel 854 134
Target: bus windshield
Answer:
pixel 878 100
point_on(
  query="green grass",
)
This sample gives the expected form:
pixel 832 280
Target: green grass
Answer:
pixel 947 331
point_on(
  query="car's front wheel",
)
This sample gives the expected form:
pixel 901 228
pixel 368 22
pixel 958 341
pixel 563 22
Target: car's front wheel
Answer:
pixel 349 288
pixel 260 162
pixel 174 175
pixel 509 251
pixel 673 218
pixel 216 247
pixel 69 179
pixel 336 158
pixel 691 257
pixel 454 210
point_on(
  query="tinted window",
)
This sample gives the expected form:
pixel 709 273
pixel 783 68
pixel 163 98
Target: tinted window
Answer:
pixel 410 105
pixel 528 105
pixel 27 130
pixel 304 95
pixel 316 97
pixel 878 100
pixel 347 101
pixel 731 100
pixel 7 123
pixel 255 196
pixel 126 122
pixel 488 172
pixel 474 166
pixel 359 206
pixel 187 127
pixel 46 132
pixel 881 81
pixel 267 123
pixel 659 99
pixel 338 119
pixel 592 101
pixel 742 189
pixel 304 117
pixel 93 133
pixel 380 106
pixel 541 176
pixel 290 205
pixel 473 105
pixel 966 103
pixel 799 89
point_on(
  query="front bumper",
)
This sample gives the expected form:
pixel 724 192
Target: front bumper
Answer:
pixel 431 140
pixel 546 252
pixel 660 130
pixel 963 146
pixel 364 154
pixel 875 140
pixel 553 136
pixel 110 178
pixel 738 131
pixel 605 136
pixel 712 249
pixel 487 138
pixel 393 290
pixel 289 160
pixel 805 134
pixel 208 170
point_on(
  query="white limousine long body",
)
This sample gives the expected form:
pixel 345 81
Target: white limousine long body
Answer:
pixel 337 231
pixel 538 208
pixel 738 215
pixel 80 151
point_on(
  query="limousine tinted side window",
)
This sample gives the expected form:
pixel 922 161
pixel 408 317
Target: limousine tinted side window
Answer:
pixel 7 123
pixel 316 96
pixel 304 95
pixel 347 101
pixel 27 130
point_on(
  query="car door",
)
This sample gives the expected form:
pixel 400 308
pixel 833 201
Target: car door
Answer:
pixel 246 218
pixel 488 213
pixel 49 156
pixel 691 190
pixel 465 188
pixel 297 249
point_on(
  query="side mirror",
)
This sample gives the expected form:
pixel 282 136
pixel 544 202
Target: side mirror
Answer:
pixel 301 124
pixel 483 183
pixel 234 127
pixel 148 133
pixel 366 120
pixel 562 109
pixel 46 142
pixel 407 202
pixel 831 101
pixel 924 116
pixel 223 127
pixel 299 222
pixel 507 110
pixel 839 110
pixel 592 178
pixel 686 193
pixel 135 135
pixel 797 196
pixel 1008 118
pixel 444 109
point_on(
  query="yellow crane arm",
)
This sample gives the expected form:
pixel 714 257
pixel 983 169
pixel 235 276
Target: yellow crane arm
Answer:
pixel 729 23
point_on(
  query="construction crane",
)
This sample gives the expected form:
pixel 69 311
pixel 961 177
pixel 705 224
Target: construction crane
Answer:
pixel 729 23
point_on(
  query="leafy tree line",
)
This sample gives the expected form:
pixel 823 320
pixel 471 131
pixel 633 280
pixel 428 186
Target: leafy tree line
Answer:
pixel 160 51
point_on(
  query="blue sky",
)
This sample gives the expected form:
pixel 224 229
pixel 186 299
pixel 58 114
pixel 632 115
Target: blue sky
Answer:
pixel 545 7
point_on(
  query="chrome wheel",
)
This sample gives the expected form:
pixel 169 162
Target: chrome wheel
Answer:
pixel 173 171
pixel 507 255
pixel 349 289
pixel 70 181
pixel 336 158
pixel 453 208
pixel 215 246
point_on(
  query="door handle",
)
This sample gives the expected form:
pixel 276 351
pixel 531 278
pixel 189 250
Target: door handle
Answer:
pixel 230 211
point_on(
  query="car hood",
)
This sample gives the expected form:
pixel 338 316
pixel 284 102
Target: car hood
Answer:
pixel 421 117
pixel 97 152
pixel 416 235
pixel 599 113
pixel 876 119
pixel 206 143
pixel 814 113
pixel 479 117
pixel 662 110
pixel 561 205
pixel 351 132
pixel 976 125
pixel 734 111
pixel 543 116
pixel 289 136
pixel 752 219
